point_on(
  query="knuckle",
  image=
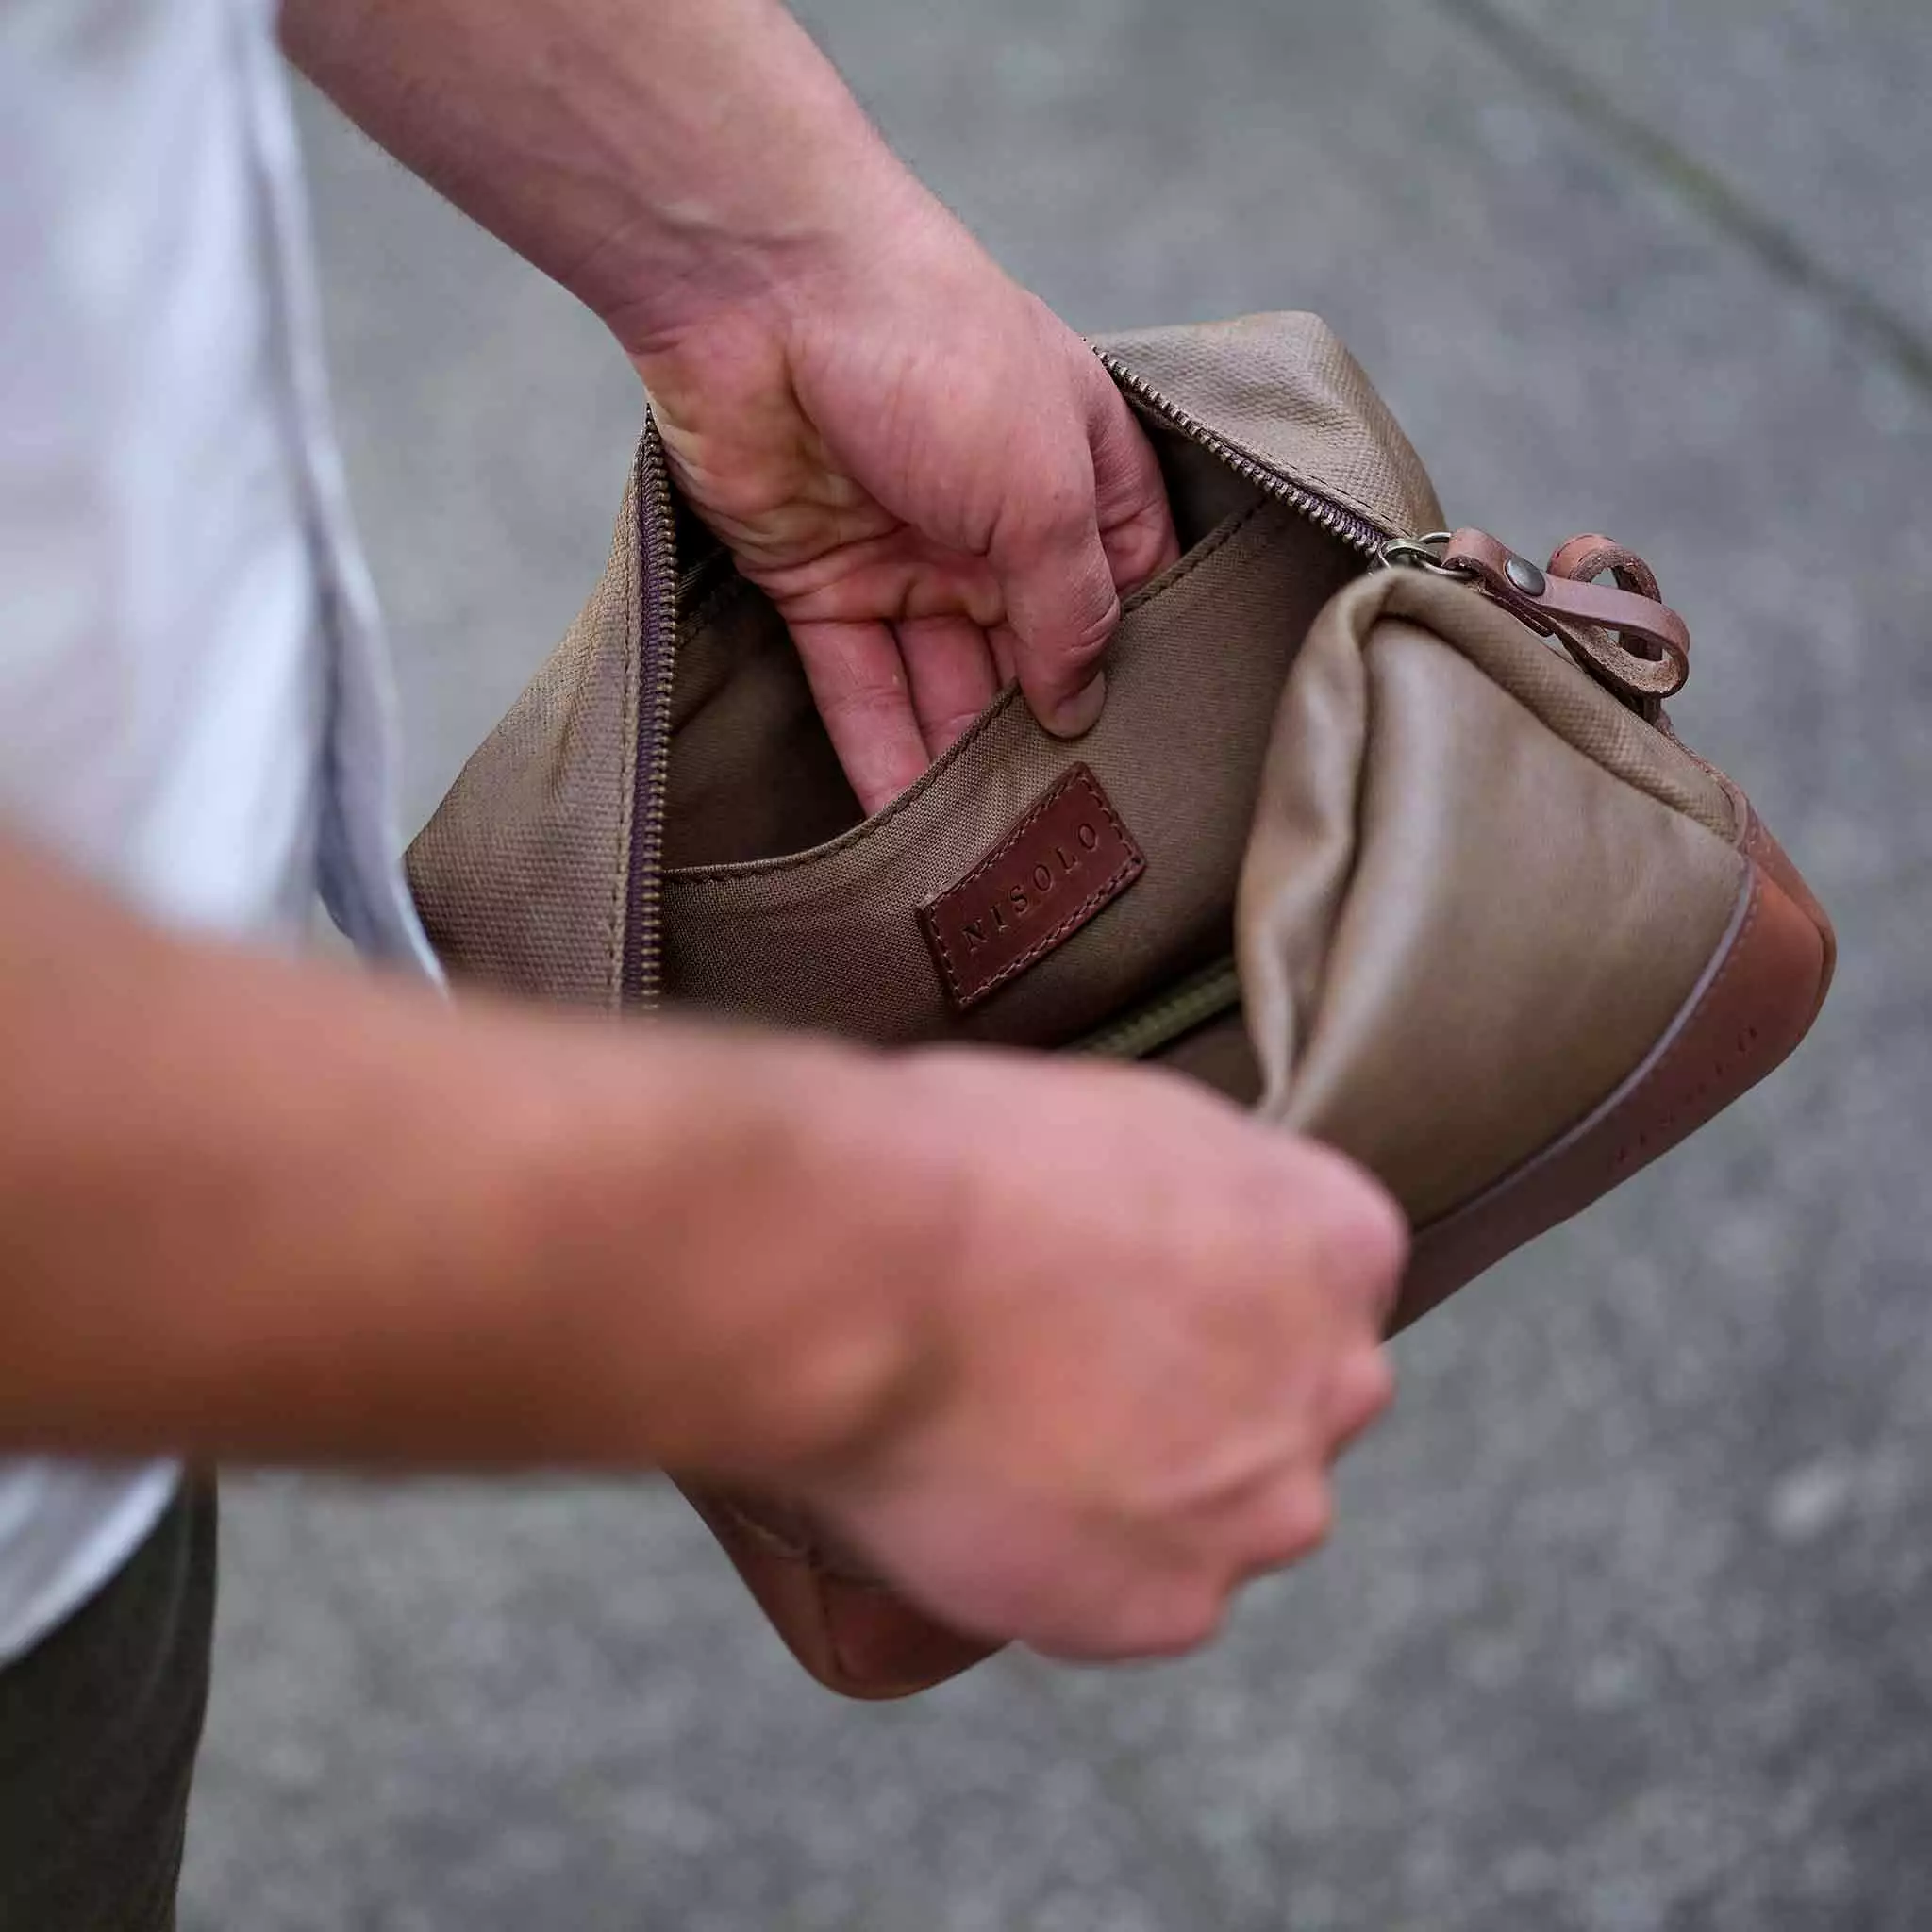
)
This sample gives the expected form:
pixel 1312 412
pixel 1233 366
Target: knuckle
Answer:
pixel 1150 1622
pixel 948 726
pixel 1383 1240
pixel 1304 1517
pixel 1097 624
pixel 1185 1622
pixel 1052 509
pixel 1141 544
pixel 1287 1525
pixel 1364 1386
pixel 1363 1235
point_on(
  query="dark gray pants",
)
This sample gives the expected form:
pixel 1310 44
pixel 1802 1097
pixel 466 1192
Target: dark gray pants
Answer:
pixel 98 1729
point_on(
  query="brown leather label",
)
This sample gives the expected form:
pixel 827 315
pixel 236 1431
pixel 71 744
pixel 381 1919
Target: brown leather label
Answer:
pixel 1067 859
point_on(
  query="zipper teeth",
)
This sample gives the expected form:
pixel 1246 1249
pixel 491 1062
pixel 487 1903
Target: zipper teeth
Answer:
pixel 1205 996
pixel 1336 519
pixel 658 645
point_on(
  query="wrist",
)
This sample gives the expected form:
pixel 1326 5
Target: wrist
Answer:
pixel 798 200
pixel 737 1201
pixel 801 252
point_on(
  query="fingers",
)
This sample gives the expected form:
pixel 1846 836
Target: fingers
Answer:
pixel 1142 1619
pixel 1165 1607
pixel 1366 1239
pixel 1130 496
pixel 951 673
pixel 894 702
pixel 1354 1234
pixel 1151 1610
pixel 1291 1522
pixel 1360 1393
pixel 1061 608
pixel 1097 527
pixel 859 684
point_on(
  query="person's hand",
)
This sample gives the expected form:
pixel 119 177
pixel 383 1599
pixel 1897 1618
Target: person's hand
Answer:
pixel 1155 1322
pixel 932 477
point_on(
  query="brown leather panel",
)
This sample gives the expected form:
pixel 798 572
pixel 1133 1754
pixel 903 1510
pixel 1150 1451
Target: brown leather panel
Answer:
pixel 1476 967
pixel 855 1637
pixel 831 939
pixel 1068 859
pixel 1761 846
pixel 1591 618
pixel 1754 1004
pixel 1283 390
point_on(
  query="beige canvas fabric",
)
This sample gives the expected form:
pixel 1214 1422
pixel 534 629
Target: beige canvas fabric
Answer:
pixel 1478 888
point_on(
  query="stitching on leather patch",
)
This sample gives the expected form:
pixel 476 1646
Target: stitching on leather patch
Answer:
pixel 1068 859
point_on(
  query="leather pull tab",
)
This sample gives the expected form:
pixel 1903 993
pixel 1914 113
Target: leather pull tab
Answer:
pixel 1601 626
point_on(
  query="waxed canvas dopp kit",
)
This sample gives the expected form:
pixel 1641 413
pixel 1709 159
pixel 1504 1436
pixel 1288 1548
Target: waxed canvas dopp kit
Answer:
pixel 1383 831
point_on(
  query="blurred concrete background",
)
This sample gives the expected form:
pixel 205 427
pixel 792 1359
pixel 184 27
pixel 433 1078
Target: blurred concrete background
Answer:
pixel 1628 1624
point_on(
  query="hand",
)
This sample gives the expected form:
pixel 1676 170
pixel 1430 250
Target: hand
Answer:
pixel 931 477
pixel 1157 1324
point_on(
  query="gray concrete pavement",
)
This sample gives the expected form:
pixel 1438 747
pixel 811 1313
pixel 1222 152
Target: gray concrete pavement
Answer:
pixel 1628 1624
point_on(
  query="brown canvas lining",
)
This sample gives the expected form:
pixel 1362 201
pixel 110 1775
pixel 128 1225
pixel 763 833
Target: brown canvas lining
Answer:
pixel 960 752
pixel 830 937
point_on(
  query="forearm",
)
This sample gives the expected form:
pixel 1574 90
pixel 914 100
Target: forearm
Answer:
pixel 256 1210
pixel 658 157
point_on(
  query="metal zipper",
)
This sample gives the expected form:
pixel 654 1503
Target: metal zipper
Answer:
pixel 641 969
pixel 1350 526
pixel 1216 990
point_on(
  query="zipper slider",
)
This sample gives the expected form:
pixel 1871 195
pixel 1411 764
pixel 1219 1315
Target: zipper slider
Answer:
pixel 1418 553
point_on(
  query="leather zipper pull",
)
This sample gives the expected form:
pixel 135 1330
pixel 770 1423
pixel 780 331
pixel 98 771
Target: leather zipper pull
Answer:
pixel 1595 622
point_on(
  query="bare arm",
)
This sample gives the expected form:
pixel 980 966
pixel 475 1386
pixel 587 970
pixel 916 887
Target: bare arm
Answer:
pixel 928 472
pixel 661 158
pixel 1069 1348
pixel 262 1210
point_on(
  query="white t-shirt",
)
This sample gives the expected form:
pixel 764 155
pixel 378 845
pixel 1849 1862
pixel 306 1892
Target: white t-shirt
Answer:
pixel 192 705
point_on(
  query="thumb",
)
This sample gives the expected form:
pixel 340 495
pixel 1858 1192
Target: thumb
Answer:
pixel 1130 494
pixel 1061 607
pixel 1105 529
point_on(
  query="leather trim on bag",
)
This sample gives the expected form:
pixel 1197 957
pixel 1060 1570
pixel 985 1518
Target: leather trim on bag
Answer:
pixel 855 1636
pixel 1068 859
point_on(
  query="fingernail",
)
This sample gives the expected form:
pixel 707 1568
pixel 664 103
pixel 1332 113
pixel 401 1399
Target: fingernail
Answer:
pixel 1074 716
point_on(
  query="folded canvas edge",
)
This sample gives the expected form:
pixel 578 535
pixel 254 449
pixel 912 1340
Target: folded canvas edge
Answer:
pixel 1754 1002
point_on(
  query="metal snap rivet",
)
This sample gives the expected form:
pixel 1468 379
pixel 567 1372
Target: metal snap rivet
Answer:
pixel 1526 577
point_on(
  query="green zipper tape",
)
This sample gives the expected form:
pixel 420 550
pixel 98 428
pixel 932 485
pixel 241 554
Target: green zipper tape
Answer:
pixel 1205 996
